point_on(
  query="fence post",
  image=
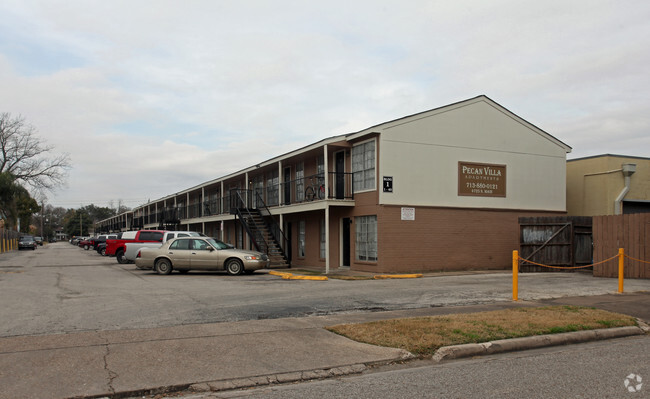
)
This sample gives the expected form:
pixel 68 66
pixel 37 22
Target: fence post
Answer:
pixel 515 275
pixel 621 266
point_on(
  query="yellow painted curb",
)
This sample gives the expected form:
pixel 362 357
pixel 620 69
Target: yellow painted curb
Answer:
pixel 289 276
pixel 280 274
pixel 315 278
pixel 385 276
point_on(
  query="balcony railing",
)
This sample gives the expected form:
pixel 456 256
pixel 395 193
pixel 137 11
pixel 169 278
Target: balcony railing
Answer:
pixel 334 186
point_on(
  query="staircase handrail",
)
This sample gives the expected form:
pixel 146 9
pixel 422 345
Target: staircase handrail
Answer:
pixel 253 235
pixel 275 227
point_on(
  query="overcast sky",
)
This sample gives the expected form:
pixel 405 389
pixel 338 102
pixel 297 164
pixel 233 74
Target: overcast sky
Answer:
pixel 152 97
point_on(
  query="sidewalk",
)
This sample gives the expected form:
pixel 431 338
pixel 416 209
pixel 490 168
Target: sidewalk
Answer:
pixel 222 355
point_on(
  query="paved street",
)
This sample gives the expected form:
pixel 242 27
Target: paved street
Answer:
pixel 61 288
pixel 590 370
pixel 75 324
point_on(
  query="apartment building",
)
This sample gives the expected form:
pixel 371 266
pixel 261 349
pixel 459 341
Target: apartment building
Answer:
pixel 440 190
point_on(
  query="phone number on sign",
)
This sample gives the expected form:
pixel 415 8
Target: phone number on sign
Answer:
pixel 485 186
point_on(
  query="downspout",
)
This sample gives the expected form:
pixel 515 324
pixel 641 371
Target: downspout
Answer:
pixel 628 170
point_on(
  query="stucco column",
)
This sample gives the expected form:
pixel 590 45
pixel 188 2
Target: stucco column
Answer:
pixel 327 239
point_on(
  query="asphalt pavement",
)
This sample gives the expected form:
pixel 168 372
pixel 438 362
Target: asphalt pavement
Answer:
pixel 219 356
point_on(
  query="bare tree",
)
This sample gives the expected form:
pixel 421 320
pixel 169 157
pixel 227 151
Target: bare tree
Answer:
pixel 24 155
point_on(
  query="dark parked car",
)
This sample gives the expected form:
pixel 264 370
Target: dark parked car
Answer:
pixel 39 240
pixel 99 243
pixel 27 242
pixel 102 239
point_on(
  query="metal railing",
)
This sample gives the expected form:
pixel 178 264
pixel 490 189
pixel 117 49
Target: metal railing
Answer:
pixel 318 187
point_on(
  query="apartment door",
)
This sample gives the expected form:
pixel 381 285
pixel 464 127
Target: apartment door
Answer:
pixel 288 246
pixel 287 185
pixel 345 238
pixel 339 165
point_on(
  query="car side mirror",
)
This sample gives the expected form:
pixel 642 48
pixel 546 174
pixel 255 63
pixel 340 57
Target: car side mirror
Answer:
pixel 210 248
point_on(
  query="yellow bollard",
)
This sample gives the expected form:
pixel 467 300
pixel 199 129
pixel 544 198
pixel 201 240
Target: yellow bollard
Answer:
pixel 515 275
pixel 621 267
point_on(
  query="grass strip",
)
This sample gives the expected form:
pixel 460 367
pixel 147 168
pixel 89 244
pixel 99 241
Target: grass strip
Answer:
pixel 422 336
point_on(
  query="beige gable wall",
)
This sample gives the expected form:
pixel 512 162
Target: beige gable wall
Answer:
pixel 421 153
pixel 593 184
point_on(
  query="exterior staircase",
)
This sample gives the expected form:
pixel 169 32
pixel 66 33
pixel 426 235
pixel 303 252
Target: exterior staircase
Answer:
pixel 266 235
pixel 263 238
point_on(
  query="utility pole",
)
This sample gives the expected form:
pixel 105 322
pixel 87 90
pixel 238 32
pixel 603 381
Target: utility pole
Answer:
pixel 81 230
pixel 42 210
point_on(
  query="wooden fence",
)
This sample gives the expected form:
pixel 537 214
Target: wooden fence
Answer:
pixel 630 232
pixel 555 241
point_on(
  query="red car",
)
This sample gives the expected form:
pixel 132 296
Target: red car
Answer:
pixel 86 244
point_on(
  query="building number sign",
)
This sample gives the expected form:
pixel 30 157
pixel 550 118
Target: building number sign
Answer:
pixel 388 184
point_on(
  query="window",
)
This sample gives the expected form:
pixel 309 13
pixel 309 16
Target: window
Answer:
pixel 322 239
pixel 180 244
pixel 151 236
pixel 272 184
pixel 320 166
pixel 301 239
pixel 199 245
pixel 363 166
pixel 258 190
pixel 366 238
pixel 300 182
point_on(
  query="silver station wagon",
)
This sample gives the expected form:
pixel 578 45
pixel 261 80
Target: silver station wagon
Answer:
pixel 200 253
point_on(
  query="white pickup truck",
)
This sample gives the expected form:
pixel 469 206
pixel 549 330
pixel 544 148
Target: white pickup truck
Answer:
pixel 132 248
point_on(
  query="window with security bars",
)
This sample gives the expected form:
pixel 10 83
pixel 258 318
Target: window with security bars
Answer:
pixel 363 166
pixel 366 238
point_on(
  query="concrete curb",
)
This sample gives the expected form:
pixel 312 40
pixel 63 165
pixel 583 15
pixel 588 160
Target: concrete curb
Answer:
pixel 298 376
pixel 290 276
pixel 538 341
pixel 387 276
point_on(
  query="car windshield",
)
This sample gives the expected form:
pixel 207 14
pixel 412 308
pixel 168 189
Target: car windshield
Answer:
pixel 217 244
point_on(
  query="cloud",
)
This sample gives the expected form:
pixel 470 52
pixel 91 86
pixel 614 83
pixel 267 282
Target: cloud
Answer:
pixel 181 93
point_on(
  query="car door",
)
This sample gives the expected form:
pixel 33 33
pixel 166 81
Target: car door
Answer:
pixel 179 253
pixel 203 256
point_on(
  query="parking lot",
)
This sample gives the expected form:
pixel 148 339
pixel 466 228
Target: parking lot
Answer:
pixel 61 288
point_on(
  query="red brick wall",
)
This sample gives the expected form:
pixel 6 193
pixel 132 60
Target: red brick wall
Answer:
pixel 446 239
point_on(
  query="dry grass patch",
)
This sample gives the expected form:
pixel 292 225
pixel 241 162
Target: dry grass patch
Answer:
pixel 424 335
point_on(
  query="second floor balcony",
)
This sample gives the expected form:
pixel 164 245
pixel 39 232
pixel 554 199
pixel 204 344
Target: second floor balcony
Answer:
pixel 320 187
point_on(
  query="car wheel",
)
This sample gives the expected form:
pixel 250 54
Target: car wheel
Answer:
pixel 86 247
pixel 120 257
pixel 103 252
pixel 163 266
pixel 234 267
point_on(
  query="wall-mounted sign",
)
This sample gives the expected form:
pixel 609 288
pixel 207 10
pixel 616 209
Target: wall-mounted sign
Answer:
pixel 388 184
pixel 408 213
pixel 481 179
